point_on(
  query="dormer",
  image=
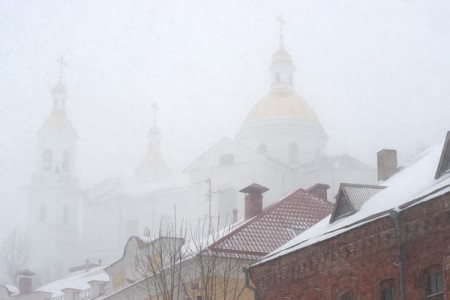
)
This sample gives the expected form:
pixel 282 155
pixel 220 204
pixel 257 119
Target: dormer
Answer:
pixel 351 197
pixel 444 161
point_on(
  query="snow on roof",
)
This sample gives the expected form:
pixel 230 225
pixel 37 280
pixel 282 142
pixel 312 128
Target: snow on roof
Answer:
pixel 351 198
pixel 414 184
pixel 77 280
pixel 11 289
pixel 273 227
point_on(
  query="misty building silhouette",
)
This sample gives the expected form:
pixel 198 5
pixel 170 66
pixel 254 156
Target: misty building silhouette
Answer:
pixel 281 145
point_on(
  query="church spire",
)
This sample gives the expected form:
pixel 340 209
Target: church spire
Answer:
pixel 59 92
pixel 153 168
pixel 282 69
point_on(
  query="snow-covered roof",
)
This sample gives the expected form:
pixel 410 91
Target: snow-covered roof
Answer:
pixel 351 198
pixel 11 289
pixel 412 185
pixel 276 225
pixel 77 280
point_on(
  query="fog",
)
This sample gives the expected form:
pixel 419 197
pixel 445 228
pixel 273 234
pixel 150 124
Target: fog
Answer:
pixel 376 73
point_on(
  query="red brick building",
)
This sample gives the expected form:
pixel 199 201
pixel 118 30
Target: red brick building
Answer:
pixel 381 242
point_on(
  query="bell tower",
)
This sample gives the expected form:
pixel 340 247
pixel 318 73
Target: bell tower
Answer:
pixel 55 202
pixel 55 163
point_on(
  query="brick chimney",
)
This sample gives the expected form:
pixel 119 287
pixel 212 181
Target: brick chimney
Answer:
pixel 253 199
pixel 235 212
pixel 386 163
pixel 25 281
pixel 319 190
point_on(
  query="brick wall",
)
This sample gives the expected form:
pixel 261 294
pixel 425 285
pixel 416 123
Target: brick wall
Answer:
pixel 360 259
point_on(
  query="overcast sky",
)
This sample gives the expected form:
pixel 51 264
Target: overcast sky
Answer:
pixel 376 72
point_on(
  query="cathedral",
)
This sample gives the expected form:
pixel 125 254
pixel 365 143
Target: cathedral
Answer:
pixel 281 146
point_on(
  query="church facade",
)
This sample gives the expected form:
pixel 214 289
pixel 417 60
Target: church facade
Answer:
pixel 281 146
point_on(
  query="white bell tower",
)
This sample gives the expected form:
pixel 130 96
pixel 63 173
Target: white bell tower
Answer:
pixel 55 202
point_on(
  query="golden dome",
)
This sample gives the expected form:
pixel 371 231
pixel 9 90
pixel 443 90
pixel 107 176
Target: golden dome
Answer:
pixel 58 119
pixel 283 102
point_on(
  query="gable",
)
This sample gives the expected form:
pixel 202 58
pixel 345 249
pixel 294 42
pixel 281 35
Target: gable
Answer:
pixel 444 162
pixel 351 197
pixel 342 208
pixel 224 153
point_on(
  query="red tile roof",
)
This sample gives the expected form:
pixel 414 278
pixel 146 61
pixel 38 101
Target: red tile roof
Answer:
pixel 275 226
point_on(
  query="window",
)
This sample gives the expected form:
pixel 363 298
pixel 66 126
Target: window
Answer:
pixel 66 214
pixel 387 289
pixel 42 213
pixel 227 159
pixel 262 148
pixel 434 283
pixel 293 153
pixel 277 77
pixel 132 228
pixel 66 162
pixel 83 295
pixel 103 288
pixel 47 160
pixel 347 296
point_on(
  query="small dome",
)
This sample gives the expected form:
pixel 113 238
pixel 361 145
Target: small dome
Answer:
pixel 59 89
pixel 58 119
pixel 281 56
pixel 282 102
pixel 154 130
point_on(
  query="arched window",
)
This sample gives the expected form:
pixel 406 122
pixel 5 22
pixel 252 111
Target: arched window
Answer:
pixel 347 296
pixel 42 213
pixel 293 153
pixel 387 289
pixel 66 214
pixel 227 159
pixel 433 283
pixel 228 199
pixel 66 162
pixel 277 78
pixel 132 228
pixel 262 148
pixel 47 160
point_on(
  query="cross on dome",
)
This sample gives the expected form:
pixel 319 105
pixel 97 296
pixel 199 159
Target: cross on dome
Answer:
pixel 282 23
pixel 155 109
pixel 62 63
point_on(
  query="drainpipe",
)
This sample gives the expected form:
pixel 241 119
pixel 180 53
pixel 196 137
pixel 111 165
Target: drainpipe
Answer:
pixel 247 283
pixel 395 217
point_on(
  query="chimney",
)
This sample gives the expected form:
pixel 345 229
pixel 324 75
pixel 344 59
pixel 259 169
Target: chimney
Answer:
pixel 253 199
pixel 25 281
pixel 386 163
pixel 319 190
pixel 235 212
pixel 88 265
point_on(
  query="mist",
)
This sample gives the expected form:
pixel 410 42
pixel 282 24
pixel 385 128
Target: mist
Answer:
pixel 375 72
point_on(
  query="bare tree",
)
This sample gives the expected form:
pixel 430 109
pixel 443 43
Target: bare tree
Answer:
pixel 14 255
pixel 50 270
pixel 159 264
pixel 173 266
pixel 215 275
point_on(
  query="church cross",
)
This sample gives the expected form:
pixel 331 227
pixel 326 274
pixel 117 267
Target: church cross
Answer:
pixel 155 108
pixel 282 23
pixel 62 63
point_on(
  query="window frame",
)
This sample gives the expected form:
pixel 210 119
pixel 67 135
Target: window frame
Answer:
pixel 387 284
pixel 435 273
